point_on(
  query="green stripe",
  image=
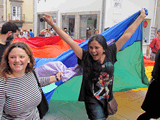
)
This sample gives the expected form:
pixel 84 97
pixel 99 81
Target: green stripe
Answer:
pixel 129 74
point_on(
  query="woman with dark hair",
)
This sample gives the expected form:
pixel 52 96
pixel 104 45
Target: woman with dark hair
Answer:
pixel 151 102
pixel 98 67
pixel 19 91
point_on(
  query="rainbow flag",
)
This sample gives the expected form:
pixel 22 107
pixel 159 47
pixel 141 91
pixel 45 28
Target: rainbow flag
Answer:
pixel 129 69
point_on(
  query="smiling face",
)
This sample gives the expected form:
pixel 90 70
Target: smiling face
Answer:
pixel 18 60
pixel 96 51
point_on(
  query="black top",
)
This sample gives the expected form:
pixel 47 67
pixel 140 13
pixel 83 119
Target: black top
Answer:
pixel 2 49
pixel 151 100
pixel 88 85
pixel 156 69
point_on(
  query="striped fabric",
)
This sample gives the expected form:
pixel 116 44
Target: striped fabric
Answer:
pixel 20 96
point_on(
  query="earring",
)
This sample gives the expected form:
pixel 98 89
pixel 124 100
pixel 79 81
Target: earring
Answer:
pixel 28 61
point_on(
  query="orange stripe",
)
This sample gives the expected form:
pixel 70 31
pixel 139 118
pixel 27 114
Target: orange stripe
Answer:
pixel 52 50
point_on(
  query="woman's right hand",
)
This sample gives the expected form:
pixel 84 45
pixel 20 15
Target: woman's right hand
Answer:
pixel 75 47
pixel 48 19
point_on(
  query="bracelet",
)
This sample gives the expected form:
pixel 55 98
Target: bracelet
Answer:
pixel 56 77
pixel 53 25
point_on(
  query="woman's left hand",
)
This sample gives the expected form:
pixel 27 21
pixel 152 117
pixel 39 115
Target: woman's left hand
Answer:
pixel 143 13
pixel 48 19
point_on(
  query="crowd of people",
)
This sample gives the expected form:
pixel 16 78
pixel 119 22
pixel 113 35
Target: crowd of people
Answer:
pixel 25 33
pixel 49 32
pixel 19 92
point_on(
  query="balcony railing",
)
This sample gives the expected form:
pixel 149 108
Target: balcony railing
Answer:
pixel 16 17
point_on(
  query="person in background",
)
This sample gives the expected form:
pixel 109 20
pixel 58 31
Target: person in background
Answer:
pixel 88 33
pixel 98 67
pixel 65 30
pixel 31 33
pixel 96 31
pixel 20 35
pixel 151 102
pixel 19 91
pixel 41 34
pixel 47 32
pixel 154 45
pixel 9 32
pixel 25 33
pixel 28 36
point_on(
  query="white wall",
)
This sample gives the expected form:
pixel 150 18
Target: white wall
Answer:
pixel 128 7
pixel 112 15
pixel 66 6
pixel 69 5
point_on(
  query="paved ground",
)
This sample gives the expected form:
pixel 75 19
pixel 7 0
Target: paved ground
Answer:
pixel 129 108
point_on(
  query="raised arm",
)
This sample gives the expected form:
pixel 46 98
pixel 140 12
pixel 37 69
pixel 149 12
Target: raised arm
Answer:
pixel 75 47
pixel 130 30
pixel 43 31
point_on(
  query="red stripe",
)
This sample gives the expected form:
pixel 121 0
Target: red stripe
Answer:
pixel 49 47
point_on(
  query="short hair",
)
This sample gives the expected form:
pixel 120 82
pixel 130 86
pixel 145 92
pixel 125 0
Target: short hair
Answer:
pixel 158 31
pixel 30 30
pixel 9 26
pixel 4 66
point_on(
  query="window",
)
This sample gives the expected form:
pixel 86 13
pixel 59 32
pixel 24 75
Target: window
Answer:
pixel 16 13
pixel 68 21
pixel 88 23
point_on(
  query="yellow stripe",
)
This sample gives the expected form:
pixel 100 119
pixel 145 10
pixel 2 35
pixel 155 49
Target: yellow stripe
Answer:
pixel 148 71
pixel 140 89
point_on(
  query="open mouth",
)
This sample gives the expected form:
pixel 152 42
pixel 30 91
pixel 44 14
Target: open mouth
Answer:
pixel 94 55
pixel 17 65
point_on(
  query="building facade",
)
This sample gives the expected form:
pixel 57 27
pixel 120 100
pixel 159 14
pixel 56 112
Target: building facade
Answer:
pixel 81 18
pixel 76 16
pixel 18 11
pixel 1 12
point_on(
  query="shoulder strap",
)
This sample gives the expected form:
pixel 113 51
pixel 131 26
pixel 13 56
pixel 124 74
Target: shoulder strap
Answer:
pixel 36 77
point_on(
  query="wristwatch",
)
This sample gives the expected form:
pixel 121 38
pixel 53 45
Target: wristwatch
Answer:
pixel 56 77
